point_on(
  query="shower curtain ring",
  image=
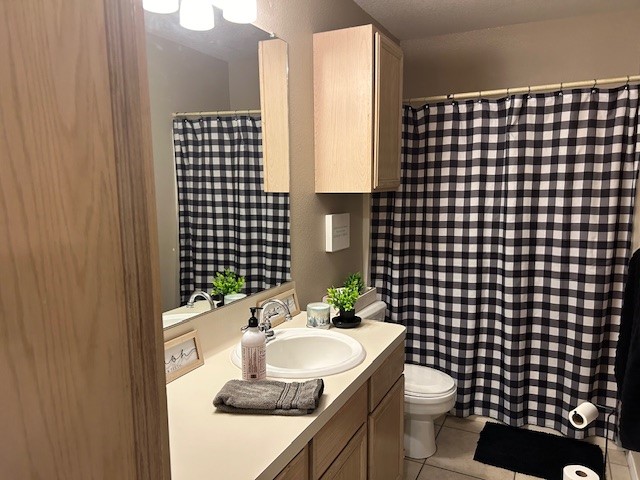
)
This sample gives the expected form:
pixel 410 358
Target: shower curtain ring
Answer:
pixel 626 85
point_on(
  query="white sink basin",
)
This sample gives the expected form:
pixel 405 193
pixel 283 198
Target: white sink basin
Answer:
pixel 308 353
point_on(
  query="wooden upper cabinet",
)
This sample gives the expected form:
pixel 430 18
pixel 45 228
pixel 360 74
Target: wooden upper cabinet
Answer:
pixel 274 104
pixel 357 110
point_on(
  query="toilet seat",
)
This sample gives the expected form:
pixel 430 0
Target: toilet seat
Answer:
pixel 421 382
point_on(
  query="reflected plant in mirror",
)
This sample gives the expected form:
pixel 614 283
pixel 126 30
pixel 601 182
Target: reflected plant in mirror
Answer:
pixel 214 215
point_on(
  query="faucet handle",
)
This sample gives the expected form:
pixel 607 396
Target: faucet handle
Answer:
pixel 265 325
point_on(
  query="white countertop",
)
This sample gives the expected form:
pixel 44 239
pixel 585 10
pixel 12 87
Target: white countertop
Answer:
pixel 206 444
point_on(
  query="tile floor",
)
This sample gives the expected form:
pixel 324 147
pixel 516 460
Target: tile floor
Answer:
pixel 457 439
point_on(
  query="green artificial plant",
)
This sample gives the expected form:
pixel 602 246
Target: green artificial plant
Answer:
pixel 227 282
pixel 344 299
pixel 355 280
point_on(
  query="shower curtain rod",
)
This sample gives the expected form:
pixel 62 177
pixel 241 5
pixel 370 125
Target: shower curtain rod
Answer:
pixel 537 88
pixel 220 112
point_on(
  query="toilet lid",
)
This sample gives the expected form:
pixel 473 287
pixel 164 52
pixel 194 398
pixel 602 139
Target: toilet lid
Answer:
pixel 421 380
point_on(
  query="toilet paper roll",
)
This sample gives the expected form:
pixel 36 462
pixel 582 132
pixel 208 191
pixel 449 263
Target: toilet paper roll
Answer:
pixel 583 415
pixel 578 472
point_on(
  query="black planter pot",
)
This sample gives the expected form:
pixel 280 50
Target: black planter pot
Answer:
pixel 346 319
pixel 218 297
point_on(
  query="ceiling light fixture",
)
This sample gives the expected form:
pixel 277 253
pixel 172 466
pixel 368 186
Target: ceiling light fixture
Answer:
pixel 240 11
pixel 160 6
pixel 197 15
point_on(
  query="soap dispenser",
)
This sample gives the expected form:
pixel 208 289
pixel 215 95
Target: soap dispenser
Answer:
pixel 254 347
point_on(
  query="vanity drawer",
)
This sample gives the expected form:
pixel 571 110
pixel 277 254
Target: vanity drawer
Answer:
pixel 335 435
pixel 386 376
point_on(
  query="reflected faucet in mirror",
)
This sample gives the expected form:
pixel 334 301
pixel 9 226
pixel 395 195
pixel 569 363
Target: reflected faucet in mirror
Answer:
pixel 200 293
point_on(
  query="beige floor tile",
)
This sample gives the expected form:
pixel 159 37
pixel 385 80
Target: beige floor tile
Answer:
pixel 434 473
pixel 600 441
pixel 455 452
pixel 619 457
pixel 522 476
pixel 411 469
pixel 619 472
pixel 440 419
pixel 472 423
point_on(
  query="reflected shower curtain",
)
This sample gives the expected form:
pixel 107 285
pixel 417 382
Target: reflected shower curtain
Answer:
pixel 504 250
pixel 225 218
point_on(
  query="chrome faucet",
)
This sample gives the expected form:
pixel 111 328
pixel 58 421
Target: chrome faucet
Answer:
pixel 200 293
pixel 265 324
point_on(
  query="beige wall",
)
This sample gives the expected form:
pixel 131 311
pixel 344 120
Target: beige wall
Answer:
pixel 244 83
pixel 312 269
pixel 180 80
pixel 581 48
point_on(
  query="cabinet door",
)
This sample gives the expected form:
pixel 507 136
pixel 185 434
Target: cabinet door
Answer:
pixel 386 432
pixel 351 464
pixel 332 438
pixel 387 114
pixel 298 468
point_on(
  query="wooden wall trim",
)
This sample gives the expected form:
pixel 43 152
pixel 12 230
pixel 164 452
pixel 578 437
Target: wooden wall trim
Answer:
pixel 136 195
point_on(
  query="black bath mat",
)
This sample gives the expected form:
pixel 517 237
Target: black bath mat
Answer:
pixel 534 453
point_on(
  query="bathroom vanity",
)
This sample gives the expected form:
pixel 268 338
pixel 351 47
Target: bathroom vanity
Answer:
pixel 355 433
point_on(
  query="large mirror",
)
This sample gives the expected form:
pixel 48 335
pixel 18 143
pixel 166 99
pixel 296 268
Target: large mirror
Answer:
pixel 204 89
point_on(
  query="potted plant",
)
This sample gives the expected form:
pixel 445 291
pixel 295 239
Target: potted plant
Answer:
pixel 344 299
pixel 366 295
pixel 355 280
pixel 227 286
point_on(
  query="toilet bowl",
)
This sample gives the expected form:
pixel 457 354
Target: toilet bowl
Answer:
pixel 428 393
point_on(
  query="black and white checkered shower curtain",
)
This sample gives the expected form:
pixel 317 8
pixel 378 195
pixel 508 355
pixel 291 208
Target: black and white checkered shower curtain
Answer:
pixel 225 218
pixel 504 250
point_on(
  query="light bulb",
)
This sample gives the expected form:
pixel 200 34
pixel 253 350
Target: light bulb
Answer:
pixel 197 15
pixel 160 6
pixel 240 11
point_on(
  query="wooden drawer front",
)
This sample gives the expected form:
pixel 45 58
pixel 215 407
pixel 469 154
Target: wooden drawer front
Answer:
pixel 386 436
pixel 386 376
pixel 351 464
pixel 298 468
pixel 329 442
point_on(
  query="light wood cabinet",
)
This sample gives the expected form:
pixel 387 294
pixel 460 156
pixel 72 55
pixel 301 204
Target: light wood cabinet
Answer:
pixel 386 418
pixel 364 439
pixel 351 464
pixel 357 110
pixel 274 105
pixel 386 431
pixel 298 468
pixel 336 434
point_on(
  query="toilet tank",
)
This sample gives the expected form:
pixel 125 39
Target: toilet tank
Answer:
pixel 375 311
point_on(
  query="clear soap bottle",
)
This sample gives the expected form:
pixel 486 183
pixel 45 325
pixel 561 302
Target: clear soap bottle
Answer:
pixel 254 348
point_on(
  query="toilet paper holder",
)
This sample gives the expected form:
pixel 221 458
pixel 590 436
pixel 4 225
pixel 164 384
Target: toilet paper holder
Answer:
pixel 587 413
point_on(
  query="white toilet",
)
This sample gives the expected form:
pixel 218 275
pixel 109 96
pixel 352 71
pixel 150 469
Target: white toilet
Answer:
pixel 428 393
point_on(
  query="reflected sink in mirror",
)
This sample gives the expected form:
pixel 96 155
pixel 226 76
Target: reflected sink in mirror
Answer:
pixel 171 319
pixel 308 353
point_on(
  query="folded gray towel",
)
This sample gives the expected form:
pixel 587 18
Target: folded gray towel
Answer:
pixel 268 397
